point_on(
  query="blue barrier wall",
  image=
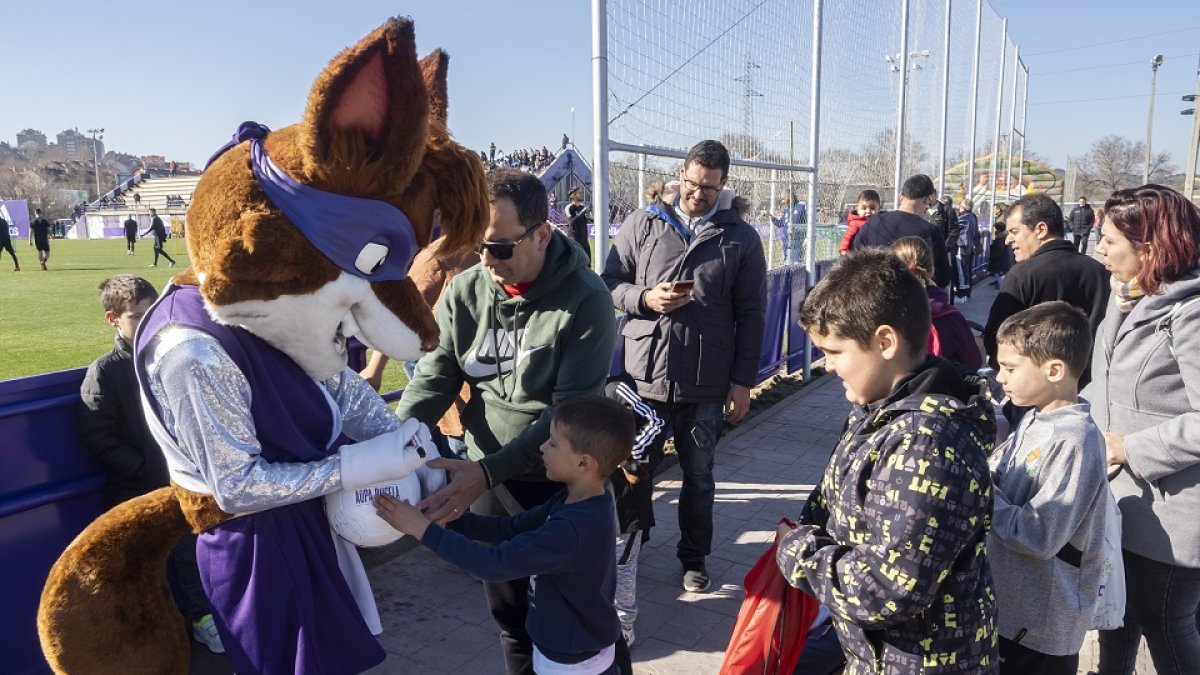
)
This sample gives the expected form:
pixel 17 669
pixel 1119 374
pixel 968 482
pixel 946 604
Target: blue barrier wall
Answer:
pixel 51 488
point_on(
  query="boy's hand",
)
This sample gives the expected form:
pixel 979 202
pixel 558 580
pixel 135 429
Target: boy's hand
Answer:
pixel 401 515
pixel 783 529
pixel 1115 446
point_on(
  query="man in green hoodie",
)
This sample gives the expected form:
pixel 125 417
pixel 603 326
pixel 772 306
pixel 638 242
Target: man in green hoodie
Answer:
pixel 528 327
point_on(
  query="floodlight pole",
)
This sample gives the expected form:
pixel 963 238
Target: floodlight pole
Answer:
pixel 898 176
pixel 600 214
pixel 945 101
pixel 96 156
pixel 1154 64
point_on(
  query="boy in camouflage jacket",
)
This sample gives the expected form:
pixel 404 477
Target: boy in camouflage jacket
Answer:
pixel 893 540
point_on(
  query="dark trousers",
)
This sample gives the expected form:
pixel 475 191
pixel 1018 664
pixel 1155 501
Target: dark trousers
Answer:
pixel 1161 604
pixel 822 653
pixel 185 579
pixel 130 240
pixel 508 601
pixel 158 250
pixel 7 246
pixel 965 272
pixel 1018 660
pixel 1081 240
pixel 696 428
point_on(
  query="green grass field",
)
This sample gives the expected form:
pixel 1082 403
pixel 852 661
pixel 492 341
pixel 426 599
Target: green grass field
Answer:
pixel 52 320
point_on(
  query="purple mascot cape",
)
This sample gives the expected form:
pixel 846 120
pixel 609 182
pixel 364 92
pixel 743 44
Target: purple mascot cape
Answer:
pixel 272 577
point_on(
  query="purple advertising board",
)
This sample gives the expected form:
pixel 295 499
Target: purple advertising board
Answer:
pixel 16 213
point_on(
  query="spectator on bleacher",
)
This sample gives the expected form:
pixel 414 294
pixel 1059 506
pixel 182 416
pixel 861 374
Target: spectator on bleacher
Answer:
pixel 492 154
pixel 578 216
pixel 1048 268
pixel 6 244
pixel 113 427
pixel 39 237
pixel 886 227
pixel 160 238
pixel 130 234
pixel 1148 406
pixel 691 275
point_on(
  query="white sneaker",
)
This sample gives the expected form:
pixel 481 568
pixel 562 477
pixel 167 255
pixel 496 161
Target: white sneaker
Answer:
pixel 153 266
pixel 205 632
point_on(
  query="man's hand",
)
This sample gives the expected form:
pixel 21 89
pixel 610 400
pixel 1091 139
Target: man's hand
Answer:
pixel 401 515
pixel 1115 446
pixel 467 483
pixel 663 300
pixel 737 403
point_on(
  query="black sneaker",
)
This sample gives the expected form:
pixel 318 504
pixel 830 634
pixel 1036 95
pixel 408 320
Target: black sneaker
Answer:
pixel 696 581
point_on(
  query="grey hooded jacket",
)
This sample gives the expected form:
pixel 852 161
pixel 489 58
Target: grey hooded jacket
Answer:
pixel 1146 387
pixel 714 340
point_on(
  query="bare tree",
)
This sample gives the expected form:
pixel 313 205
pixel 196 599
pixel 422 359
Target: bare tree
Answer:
pixel 1116 163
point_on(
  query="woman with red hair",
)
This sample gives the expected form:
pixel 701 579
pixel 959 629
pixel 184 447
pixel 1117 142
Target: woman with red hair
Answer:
pixel 1145 396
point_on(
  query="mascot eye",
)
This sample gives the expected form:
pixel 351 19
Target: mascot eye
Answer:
pixel 371 258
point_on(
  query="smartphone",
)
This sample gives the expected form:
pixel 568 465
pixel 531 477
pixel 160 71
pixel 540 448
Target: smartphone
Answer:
pixel 682 286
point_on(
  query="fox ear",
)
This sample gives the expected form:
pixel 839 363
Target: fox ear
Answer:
pixel 370 104
pixel 433 69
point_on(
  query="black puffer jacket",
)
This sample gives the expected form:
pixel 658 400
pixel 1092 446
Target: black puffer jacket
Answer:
pixel 893 540
pixel 113 428
pixel 714 340
pixel 1082 218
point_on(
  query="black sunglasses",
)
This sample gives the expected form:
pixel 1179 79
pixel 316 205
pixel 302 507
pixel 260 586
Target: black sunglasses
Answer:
pixel 503 250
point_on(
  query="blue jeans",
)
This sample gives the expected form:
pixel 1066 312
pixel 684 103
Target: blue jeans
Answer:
pixel 1161 605
pixel 822 653
pixel 697 426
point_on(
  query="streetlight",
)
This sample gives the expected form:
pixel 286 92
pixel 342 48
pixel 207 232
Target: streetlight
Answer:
pixel 97 134
pixel 1154 64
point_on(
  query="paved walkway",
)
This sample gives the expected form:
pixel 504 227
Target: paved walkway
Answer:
pixel 435 619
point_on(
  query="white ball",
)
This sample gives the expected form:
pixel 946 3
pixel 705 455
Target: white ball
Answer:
pixel 352 514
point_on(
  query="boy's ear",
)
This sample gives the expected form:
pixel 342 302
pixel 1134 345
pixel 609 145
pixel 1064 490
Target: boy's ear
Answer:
pixel 111 318
pixel 1055 370
pixel 887 342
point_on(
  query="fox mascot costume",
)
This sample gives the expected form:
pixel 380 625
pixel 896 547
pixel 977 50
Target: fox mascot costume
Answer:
pixel 299 238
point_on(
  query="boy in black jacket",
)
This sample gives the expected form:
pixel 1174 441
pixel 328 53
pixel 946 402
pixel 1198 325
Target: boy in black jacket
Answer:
pixel 113 428
pixel 893 540
pixel 564 545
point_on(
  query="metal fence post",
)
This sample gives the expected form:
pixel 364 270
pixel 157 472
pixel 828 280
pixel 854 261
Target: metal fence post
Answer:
pixel 814 137
pixel 900 104
pixel 1012 124
pixel 945 102
pixel 600 215
pixel 969 179
pixel 999 108
pixel 641 181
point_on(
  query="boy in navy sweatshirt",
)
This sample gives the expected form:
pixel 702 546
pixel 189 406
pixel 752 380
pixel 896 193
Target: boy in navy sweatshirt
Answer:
pixel 1051 496
pixel 564 545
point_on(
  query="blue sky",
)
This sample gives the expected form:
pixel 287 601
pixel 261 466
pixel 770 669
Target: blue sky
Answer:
pixel 176 78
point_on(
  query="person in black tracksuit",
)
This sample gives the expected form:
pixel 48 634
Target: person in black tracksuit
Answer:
pixel 577 220
pixel 160 237
pixel 130 234
pixel 6 244
pixel 1081 220
pixel 39 236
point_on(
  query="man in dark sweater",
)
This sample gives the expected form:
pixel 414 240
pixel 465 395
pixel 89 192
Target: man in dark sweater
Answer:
pixel 887 227
pixel 1081 220
pixel 160 238
pixel 1048 268
pixel 130 234
pixel 39 237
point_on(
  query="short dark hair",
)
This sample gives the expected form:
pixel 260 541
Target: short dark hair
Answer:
pixel 525 191
pixel 121 292
pixel 1050 330
pixel 710 155
pixel 869 196
pixel 599 427
pixel 864 290
pixel 919 186
pixel 1040 208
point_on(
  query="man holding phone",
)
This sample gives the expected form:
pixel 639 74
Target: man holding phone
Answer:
pixel 691 275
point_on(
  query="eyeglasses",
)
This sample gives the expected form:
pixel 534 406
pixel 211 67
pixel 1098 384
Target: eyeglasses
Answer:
pixel 503 250
pixel 709 190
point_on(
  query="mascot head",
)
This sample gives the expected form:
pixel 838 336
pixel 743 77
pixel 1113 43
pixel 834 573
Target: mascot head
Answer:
pixel 304 235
